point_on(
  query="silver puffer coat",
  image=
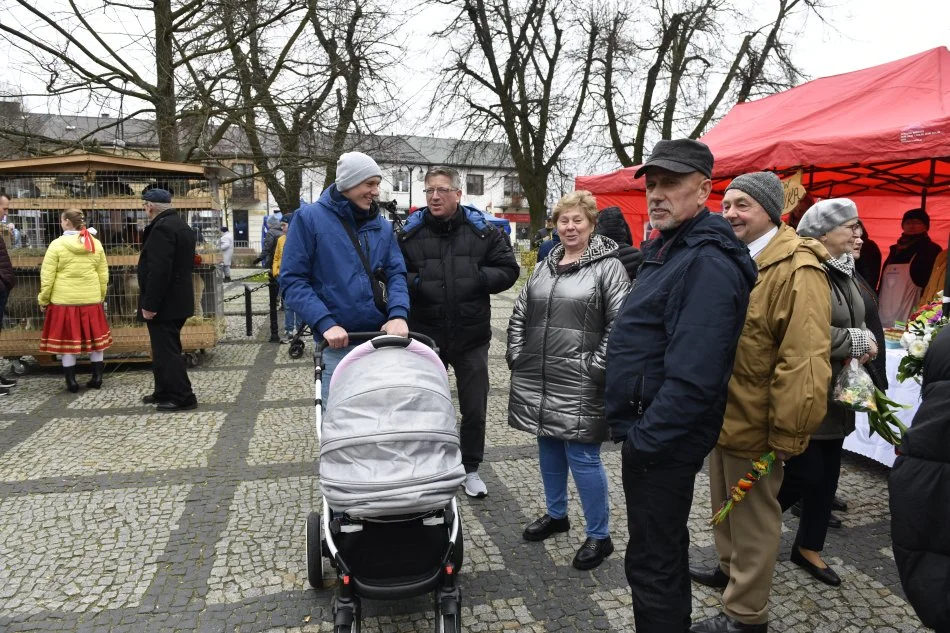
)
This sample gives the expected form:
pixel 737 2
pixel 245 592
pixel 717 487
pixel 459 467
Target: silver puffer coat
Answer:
pixel 557 344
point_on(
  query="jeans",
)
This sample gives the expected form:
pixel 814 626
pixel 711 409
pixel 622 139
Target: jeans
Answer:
pixel 589 475
pixel 656 563
pixel 291 321
pixel 331 358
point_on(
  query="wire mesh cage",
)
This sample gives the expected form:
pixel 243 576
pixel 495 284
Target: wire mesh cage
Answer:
pixel 109 193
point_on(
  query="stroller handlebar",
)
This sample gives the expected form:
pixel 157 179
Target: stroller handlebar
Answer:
pixel 388 341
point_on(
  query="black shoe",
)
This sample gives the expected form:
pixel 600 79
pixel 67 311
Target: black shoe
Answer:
pixel 171 406
pixel 7 382
pixel 98 369
pixel 4 391
pixel 825 574
pixel 714 578
pixel 593 552
pixel 722 623
pixel 839 505
pixel 228 279
pixel 150 399
pixel 833 521
pixel 70 374
pixel 545 527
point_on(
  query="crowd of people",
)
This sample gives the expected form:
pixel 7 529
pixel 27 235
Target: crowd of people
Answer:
pixel 715 342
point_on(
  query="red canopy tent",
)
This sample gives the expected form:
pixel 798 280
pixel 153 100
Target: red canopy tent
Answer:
pixel 880 136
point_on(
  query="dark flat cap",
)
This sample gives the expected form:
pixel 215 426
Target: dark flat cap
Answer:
pixel 157 195
pixel 682 156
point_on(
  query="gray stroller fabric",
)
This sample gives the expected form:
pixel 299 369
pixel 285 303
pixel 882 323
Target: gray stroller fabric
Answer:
pixel 388 442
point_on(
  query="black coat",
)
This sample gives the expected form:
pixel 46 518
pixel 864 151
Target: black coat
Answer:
pixel 872 320
pixel 453 268
pixel 165 266
pixel 7 278
pixel 920 495
pixel 672 347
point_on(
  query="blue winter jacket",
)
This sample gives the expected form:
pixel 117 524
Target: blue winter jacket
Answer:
pixel 672 347
pixel 321 274
pixel 548 245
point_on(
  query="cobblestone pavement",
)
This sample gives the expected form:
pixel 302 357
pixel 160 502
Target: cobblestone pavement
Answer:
pixel 116 518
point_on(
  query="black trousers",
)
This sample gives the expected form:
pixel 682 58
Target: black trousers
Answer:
pixel 471 380
pixel 168 366
pixel 812 478
pixel 657 559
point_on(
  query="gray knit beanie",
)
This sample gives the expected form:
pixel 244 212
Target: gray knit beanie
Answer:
pixel 766 189
pixel 353 168
pixel 826 216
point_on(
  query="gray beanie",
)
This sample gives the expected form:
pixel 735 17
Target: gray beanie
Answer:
pixel 273 222
pixel 353 168
pixel 766 189
pixel 826 216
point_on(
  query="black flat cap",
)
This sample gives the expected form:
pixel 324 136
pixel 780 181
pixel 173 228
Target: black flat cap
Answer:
pixel 157 195
pixel 682 156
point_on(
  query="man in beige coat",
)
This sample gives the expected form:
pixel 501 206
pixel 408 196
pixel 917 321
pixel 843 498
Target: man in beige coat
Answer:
pixel 777 397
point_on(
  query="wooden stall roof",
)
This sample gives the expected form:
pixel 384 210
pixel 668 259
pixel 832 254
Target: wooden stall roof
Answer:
pixel 81 163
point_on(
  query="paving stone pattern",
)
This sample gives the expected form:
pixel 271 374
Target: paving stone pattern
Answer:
pixel 116 518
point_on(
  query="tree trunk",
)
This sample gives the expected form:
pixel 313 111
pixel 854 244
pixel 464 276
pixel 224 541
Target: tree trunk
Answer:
pixel 164 98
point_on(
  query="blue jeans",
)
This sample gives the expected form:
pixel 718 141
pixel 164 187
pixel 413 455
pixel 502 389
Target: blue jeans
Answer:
pixel 589 475
pixel 291 320
pixel 331 358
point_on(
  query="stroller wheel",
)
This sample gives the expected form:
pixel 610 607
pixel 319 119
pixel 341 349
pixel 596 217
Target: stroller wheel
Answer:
pixel 347 619
pixel 448 613
pixel 314 550
pixel 296 348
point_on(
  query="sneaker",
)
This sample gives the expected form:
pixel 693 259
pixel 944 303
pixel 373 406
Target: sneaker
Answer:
pixel 4 391
pixel 474 486
pixel 7 382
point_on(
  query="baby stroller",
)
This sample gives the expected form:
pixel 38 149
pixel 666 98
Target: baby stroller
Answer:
pixel 390 465
pixel 295 349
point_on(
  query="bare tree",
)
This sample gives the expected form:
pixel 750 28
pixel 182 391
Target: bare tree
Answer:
pixel 70 50
pixel 693 72
pixel 520 71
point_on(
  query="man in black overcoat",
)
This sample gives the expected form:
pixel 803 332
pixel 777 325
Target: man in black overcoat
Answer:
pixel 167 298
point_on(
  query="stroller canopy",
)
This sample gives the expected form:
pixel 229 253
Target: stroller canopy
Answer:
pixel 388 442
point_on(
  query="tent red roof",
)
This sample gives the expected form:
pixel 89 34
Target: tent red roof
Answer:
pixel 880 136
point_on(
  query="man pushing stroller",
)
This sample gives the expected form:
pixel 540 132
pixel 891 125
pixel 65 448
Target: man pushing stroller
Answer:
pixel 338 288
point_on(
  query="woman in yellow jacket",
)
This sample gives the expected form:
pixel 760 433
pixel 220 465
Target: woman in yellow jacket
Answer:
pixel 72 289
pixel 291 320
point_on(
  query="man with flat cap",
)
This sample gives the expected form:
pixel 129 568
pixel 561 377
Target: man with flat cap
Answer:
pixel 777 397
pixel 669 359
pixel 167 298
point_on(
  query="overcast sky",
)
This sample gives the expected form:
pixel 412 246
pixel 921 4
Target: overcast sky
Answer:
pixel 861 33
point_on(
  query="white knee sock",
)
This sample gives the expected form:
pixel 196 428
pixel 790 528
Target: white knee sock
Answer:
pixel 96 357
pixel 69 360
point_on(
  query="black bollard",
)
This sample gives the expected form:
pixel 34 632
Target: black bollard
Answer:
pixel 248 321
pixel 272 292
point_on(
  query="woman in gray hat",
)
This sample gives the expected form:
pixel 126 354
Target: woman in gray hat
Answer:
pixel 812 477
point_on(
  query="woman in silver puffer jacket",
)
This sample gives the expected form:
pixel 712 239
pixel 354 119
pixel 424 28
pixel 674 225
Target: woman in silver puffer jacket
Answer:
pixel 557 342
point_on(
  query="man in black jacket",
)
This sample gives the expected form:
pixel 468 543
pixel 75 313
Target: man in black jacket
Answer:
pixel 669 360
pixel 7 282
pixel 455 260
pixel 167 298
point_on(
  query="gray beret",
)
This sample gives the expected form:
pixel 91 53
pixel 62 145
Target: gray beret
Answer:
pixel 766 189
pixel 826 216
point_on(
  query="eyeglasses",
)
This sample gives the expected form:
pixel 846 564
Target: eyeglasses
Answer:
pixel 854 228
pixel 440 190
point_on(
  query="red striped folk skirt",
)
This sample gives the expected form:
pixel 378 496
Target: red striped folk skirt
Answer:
pixel 75 329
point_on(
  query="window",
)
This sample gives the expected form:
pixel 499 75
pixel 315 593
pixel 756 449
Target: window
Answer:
pixel 512 187
pixel 243 189
pixel 400 181
pixel 475 185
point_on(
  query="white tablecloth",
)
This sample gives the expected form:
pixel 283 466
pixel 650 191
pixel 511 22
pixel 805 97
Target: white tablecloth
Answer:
pixel 904 392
